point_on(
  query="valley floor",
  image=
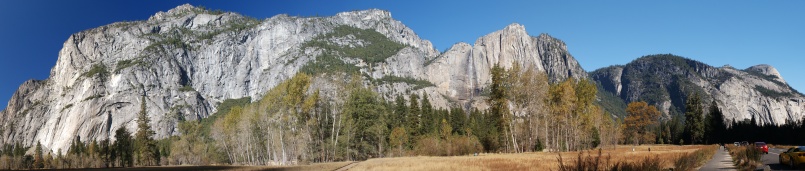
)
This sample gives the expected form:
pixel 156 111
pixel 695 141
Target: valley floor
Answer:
pixel 523 161
pixel 484 161
pixel 311 167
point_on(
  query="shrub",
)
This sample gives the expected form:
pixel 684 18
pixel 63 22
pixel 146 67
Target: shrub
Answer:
pixel 695 159
pixel 67 107
pixel 453 146
pixel 648 163
pixel 128 63
pixel 186 88
pixel 417 83
pixel 603 163
pixel 97 69
pixel 746 157
pixel 586 163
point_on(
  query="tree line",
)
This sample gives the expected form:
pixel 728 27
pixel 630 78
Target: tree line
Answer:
pixel 703 126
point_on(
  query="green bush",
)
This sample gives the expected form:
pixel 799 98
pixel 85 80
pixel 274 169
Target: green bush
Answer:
pixel 97 69
pixel 418 83
pixel 186 88
pixel 128 63
pixel 66 107
pixel 328 63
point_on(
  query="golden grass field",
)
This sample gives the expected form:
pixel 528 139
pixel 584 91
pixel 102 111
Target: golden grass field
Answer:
pixel 523 161
pixel 485 161
pixel 310 167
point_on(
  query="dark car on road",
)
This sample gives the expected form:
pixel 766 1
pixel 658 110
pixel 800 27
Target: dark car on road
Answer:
pixel 762 147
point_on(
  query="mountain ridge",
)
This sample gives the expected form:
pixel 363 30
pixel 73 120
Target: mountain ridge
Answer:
pixel 666 80
pixel 187 60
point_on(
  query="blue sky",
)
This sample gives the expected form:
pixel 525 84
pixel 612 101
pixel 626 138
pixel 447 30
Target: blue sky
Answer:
pixel 598 33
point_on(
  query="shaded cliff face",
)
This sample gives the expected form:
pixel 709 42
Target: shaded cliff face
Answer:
pixel 667 81
pixel 187 60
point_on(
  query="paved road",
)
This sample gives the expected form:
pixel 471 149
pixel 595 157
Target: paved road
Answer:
pixel 772 160
pixel 720 161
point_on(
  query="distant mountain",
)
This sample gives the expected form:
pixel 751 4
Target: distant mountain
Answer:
pixel 667 80
pixel 188 60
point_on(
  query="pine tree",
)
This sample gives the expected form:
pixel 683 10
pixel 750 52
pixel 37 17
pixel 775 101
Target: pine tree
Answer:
pixel 694 124
pixel 715 124
pixel 38 160
pixel 400 111
pixel 458 120
pixel 147 154
pixel 498 107
pixel 413 115
pixel 365 109
pixel 123 150
pixel 427 116
pixel 105 152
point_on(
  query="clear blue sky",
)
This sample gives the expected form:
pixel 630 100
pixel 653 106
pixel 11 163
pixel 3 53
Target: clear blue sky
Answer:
pixel 598 33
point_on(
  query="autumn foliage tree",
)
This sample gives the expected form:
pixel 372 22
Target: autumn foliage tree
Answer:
pixel 639 119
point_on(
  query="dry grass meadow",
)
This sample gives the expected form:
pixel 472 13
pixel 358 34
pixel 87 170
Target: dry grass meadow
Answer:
pixel 485 161
pixel 523 161
pixel 310 167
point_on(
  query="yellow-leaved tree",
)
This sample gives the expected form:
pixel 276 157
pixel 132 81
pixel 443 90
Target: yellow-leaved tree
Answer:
pixel 639 117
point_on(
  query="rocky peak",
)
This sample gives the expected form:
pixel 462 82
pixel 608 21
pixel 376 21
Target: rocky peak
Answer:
pixel 381 21
pixel 509 45
pixel 370 14
pixel 515 28
pixel 179 10
pixel 557 60
pixel 766 70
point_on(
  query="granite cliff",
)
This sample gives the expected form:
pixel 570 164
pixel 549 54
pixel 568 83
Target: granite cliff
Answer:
pixel 667 80
pixel 187 60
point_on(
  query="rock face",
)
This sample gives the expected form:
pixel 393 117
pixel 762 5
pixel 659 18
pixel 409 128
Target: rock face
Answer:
pixel 187 60
pixel 667 80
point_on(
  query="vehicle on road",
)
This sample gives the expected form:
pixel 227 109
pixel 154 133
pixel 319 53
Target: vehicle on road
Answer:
pixel 762 147
pixel 794 157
